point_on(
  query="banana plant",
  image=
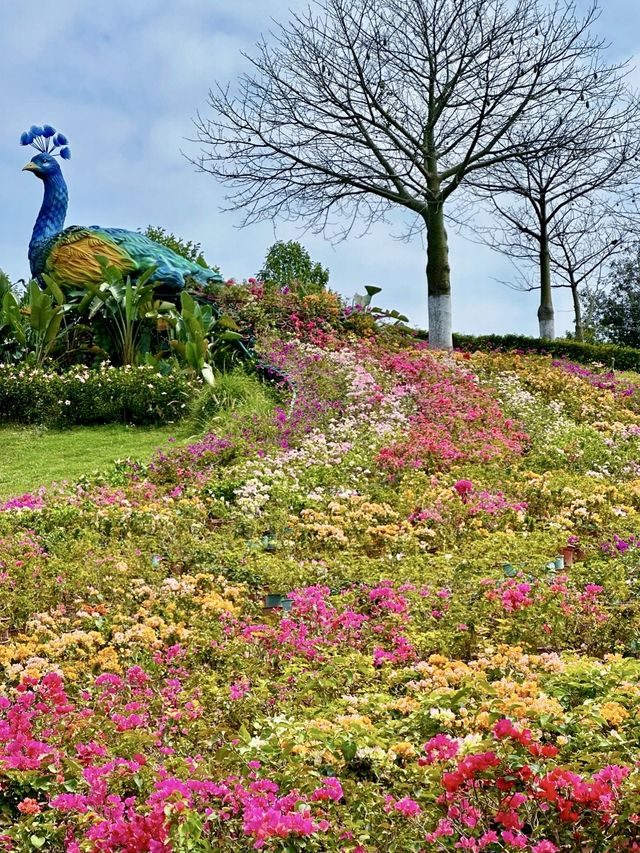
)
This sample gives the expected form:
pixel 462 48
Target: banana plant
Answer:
pixel 123 308
pixel 192 326
pixel 200 334
pixel 35 324
pixel 363 302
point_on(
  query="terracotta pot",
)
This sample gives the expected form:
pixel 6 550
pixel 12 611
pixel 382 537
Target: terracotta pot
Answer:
pixel 568 553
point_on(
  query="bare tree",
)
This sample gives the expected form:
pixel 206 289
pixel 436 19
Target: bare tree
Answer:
pixel 563 209
pixel 364 105
pixel 582 243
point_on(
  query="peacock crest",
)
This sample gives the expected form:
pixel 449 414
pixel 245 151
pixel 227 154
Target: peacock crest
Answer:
pixel 47 140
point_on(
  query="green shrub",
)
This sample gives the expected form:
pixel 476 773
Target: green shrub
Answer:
pixel 611 355
pixel 236 391
pixel 136 395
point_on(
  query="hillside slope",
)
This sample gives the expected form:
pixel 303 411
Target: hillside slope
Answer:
pixel 435 679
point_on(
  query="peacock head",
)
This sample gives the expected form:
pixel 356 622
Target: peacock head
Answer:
pixel 43 166
pixel 50 145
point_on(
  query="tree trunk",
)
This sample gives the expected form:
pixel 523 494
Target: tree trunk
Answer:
pixel 438 279
pixel 577 310
pixel 545 311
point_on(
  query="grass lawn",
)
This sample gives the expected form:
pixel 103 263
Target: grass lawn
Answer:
pixel 33 456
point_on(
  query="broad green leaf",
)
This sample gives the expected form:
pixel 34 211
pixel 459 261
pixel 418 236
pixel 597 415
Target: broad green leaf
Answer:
pixel 54 289
pixel 187 301
pixel 53 328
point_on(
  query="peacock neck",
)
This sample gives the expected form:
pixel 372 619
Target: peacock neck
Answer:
pixel 50 220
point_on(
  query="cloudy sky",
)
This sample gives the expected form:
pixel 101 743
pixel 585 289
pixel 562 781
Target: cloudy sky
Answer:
pixel 123 80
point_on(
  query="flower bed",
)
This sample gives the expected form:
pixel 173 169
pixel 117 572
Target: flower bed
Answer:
pixel 441 681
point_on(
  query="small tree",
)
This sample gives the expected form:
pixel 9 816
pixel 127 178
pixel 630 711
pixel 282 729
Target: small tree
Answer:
pixel 615 312
pixel 289 265
pixel 358 107
pixel 187 248
pixel 584 243
pixel 582 240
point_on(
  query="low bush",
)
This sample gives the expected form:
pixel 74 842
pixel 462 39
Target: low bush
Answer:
pixel 235 391
pixel 611 355
pixel 137 395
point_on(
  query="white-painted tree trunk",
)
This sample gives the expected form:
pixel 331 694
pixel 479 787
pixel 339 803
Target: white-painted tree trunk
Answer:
pixel 548 329
pixel 440 322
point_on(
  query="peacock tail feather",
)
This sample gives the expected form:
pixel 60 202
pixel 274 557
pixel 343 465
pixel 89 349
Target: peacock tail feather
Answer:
pixel 73 259
pixel 171 269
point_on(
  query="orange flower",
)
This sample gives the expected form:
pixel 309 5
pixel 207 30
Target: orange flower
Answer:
pixel 29 806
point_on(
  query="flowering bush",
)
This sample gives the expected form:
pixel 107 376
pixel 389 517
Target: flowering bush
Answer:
pixel 137 395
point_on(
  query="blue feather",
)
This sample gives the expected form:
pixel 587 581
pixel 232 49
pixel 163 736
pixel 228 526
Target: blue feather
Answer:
pixel 48 131
pixel 26 138
pixel 65 153
pixel 60 139
pixel 35 130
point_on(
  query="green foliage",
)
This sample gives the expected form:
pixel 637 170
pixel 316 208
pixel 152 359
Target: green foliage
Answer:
pixel 138 395
pixel 289 265
pixel 235 391
pixel 204 338
pixel 123 310
pixel 34 322
pixel 362 302
pixel 615 313
pixel 186 248
pixel 611 355
pixel 5 283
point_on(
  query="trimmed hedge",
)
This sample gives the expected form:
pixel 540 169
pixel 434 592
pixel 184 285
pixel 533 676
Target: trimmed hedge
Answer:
pixel 136 395
pixel 611 355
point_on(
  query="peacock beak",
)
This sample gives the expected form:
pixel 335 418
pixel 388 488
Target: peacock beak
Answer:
pixel 30 167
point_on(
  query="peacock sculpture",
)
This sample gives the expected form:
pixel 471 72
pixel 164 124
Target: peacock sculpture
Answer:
pixel 73 255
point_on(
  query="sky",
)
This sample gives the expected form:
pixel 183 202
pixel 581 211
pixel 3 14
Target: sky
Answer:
pixel 123 81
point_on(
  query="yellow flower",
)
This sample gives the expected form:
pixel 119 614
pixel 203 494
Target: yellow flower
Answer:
pixel 213 602
pixel 348 721
pixel 107 660
pixel 483 720
pixel 403 749
pixel 613 713
pixel 406 705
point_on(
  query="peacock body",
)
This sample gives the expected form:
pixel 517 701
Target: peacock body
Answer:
pixel 74 255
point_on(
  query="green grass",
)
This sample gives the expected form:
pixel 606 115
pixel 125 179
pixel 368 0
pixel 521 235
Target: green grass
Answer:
pixel 33 456
pixel 628 376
